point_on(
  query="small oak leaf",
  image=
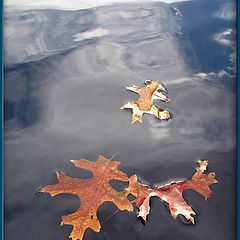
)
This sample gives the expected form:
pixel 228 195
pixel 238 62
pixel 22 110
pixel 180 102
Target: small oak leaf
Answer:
pixel 172 193
pixel 92 193
pixel 145 103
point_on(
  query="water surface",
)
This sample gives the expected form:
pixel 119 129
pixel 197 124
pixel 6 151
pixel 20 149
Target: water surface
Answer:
pixel 65 78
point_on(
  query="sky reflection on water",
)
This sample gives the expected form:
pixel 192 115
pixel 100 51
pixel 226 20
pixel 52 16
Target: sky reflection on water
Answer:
pixel 65 73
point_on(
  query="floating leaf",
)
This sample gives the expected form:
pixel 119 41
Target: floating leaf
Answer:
pixel 97 190
pixel 145 103
pixel 172 193
pixel 92 193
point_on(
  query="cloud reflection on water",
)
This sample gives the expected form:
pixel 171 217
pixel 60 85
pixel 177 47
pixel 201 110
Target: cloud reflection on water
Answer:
pixel 74 4
pixel 63 101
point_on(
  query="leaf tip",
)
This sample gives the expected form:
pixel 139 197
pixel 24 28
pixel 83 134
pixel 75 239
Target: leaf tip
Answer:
pixel 133 177
pixel 203 164
pixel 113 156
pixel 140 215
pixel 42 190
pixel 192 220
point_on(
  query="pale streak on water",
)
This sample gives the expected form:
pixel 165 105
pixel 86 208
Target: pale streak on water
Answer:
pixel 65 73
pixel 73 4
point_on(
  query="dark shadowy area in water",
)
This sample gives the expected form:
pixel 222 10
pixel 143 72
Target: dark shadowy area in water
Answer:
pixel 65 73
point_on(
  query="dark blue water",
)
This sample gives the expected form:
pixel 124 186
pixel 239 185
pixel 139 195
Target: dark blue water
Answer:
pixel 65 73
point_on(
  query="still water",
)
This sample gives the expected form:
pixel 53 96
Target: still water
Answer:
pixel 65 77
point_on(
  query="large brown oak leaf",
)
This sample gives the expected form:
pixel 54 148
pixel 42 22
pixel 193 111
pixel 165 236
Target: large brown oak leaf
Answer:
pixel 172 193
pixel 145 103
pixel 92 193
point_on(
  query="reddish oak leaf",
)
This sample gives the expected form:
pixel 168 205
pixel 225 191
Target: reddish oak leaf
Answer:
pixel 172 193
pixel 92 193
pixel 145 103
